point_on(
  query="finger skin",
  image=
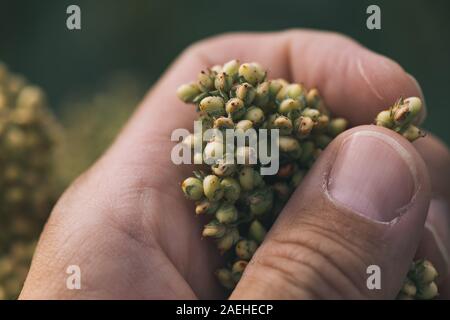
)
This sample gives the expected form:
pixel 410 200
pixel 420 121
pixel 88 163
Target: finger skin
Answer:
pixel 320 249
pixel 435 245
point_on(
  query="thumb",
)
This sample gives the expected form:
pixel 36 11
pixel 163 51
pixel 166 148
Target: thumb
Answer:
pixel 363 203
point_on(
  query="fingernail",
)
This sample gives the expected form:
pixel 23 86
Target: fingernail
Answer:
pixel 373 175
pixel 435 244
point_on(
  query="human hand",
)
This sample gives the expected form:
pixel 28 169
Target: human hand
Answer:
pixel 126 224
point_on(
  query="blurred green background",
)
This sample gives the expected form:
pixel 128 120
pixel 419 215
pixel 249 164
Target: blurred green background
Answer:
pixel 143 37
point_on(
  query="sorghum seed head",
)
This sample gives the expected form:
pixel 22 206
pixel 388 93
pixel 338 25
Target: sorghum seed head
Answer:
pixel 214 106
pixel 337 126
pixel 223 82
pixel 288 105
pixel 231 189
pixel 227 213
pixel 257 231
pixel 211 188
pixel 231 67
pixel 214 229
pixel 255 115
pixel 246 92
pixel 187 92
pixel 206 207
pixel 246 248
pixel 192 188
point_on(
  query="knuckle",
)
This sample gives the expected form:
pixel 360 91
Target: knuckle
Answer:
pixel 314 264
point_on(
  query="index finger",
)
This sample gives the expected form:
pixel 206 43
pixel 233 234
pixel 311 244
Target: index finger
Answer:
pixel 355 82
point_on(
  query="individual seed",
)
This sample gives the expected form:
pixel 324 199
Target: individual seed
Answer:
pixel 384 119
pixel 283 124
pixel 211 188
pixel 223 123
pixel 228 240
pixel 223 82
pixel 187 92
pixel 222 168
pixel 244 125
pixel 206 206
pixel 303 126
pixel 225 278
pixel 337 126
pixel 247 178
pixel 214 106
pixel 192 188
pixel 288 105
pixel 427 291
pixel 214 229
pixel 246 248
pixel 412 133
pixel 255 115
pixel 260 201
pixel 314 114
pixel 294 91
pixel 288 144
pixel 231 189
pixel 205 81
pixel 238 269
pixel 262 94
pixel 235 108
pixel 231 68
pixel 257 231
pixel 246 92
pixel 227 213
pixel 214 151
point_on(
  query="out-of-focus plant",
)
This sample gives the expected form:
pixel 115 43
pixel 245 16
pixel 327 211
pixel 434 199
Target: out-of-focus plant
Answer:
pixel 28 135
pixel 92 120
